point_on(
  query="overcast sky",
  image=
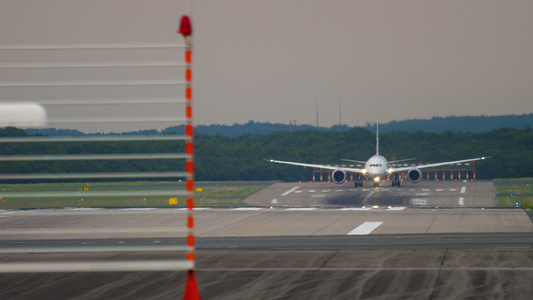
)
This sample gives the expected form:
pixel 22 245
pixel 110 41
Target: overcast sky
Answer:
pixel 271 61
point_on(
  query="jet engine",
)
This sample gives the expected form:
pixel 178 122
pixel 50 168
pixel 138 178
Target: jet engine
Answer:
pixel 414 175
pixel 339 176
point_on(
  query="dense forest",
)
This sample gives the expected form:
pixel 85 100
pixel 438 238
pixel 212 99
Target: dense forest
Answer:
pixel 220 157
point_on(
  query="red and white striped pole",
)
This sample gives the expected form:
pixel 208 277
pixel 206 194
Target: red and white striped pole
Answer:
pixel 191 289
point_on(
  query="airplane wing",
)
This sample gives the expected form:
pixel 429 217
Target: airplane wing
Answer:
pixel 325 167
pixel 355 161
pixel 401 169
pixel 400 160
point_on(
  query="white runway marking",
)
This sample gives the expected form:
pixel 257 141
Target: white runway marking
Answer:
pixel 355 208
pixel 367 196
pixel 365 228
pixel 301 208
pixel 461 201
pixel 396 208
pixel 463 189
pixel 290 191
pixel 248 208
pixel 417 201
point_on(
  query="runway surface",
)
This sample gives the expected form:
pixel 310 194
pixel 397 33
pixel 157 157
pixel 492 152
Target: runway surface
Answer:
pixel 302 247
pixel 422 194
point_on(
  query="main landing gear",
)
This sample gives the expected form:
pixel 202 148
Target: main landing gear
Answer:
pixel 395 182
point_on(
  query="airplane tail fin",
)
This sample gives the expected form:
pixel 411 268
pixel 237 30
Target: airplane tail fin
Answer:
pixel 377 138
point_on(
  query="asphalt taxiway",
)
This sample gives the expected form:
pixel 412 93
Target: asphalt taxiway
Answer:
pixel 308 245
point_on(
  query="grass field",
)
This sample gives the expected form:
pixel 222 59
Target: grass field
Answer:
pixel 13 196
pixel 520 190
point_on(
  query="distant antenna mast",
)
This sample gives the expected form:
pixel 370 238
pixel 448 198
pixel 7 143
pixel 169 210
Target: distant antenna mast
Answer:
pixel 377 138
pixel 340 114
pixel 316 113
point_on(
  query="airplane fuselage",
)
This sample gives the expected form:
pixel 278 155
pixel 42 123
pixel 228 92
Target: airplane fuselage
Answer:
pixel 376 167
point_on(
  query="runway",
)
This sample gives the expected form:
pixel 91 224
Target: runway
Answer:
pixel 422 194
pixel 304 247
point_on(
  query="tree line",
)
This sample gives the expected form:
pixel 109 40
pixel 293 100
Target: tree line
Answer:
pixel 475 124
pixel 220 158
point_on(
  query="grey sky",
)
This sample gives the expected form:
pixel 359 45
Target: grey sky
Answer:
pixel 273 60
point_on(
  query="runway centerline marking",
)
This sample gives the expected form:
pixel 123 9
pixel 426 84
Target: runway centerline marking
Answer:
pixel 290 191
pixel 365 228
pixel 461 201
pixel 367 196
pixel 463 189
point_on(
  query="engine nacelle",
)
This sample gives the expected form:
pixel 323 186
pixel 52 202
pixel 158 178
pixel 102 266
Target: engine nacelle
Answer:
pixel 414 175
pixel 339 176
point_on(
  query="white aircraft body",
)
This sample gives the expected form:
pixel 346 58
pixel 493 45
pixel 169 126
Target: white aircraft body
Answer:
pixel 376 168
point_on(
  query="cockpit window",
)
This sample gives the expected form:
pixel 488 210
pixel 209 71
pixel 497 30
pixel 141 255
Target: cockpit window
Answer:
pixel 375 165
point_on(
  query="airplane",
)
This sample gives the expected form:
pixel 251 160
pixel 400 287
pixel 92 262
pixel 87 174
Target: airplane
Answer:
pixel 376 168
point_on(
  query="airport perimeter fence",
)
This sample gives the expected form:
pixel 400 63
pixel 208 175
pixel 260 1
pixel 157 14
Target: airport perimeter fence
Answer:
pixel 108 87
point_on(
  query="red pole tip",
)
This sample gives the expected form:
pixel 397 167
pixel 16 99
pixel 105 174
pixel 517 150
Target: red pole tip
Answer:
pixel 185 26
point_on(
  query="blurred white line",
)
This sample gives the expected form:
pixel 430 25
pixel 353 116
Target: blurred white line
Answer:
pixel 94 249
pixel 90 83
pixel 156 119
pixel 94 175
pixel 25 231
pixel 93 65
pixel 94 194
pixel 109 138
pixel 108 266
pixel 124 156
pixel 91 46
